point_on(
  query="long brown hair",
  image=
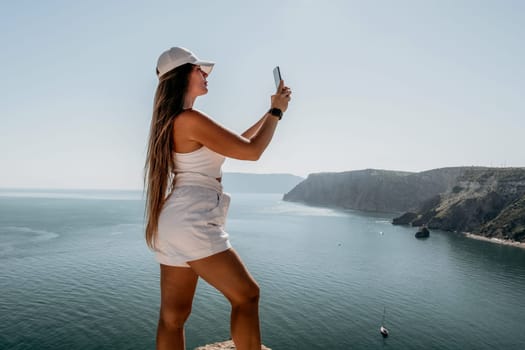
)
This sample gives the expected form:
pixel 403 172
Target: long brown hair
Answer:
pixel 159 167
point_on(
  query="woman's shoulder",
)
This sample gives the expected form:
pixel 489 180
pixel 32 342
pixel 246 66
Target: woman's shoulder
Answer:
pixel 193 118
pixel 192 113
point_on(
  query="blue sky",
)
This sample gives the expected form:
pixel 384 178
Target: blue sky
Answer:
pixel 404 85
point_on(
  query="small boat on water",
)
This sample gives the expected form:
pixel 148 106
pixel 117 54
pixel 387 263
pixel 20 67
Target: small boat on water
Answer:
pixel 383 330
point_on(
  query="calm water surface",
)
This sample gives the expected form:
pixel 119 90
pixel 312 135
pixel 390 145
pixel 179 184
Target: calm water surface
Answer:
pixel 75 273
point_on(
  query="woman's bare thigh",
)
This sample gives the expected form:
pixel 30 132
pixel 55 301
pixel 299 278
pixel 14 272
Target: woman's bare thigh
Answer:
pixel 177 286
pixel 226 272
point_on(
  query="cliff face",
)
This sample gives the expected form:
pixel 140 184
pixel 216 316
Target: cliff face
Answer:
pixel 374 190
pixel 509 224
pixel 486 201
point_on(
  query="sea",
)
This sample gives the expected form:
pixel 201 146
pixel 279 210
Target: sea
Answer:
pixel 76 273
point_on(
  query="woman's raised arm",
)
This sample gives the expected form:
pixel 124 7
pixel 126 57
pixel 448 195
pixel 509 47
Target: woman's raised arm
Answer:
pixel 204 130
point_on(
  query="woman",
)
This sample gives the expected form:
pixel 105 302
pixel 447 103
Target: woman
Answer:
pixel 185 205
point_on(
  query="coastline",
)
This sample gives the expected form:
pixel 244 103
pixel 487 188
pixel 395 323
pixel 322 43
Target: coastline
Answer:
pixel 495 240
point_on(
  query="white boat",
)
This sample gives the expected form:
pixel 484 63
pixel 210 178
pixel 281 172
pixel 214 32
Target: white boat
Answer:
pixel 383 330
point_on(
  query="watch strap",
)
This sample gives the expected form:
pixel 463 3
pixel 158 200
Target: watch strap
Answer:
pixel 276 112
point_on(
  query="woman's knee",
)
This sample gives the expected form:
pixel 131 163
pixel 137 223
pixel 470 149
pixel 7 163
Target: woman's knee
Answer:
pixel 174 317
pixel 248 295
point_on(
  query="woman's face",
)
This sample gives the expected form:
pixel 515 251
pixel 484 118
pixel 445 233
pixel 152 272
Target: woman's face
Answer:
pixel 197 84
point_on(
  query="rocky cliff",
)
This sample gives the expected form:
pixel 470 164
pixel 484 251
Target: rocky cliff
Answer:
pixel 485 201
pixel 374 190
pixel 480 200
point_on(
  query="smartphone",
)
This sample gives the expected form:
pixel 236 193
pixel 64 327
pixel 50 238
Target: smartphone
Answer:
pixel 277 76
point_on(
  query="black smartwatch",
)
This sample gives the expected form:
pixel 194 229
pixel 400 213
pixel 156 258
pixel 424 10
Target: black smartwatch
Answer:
pixel 276 112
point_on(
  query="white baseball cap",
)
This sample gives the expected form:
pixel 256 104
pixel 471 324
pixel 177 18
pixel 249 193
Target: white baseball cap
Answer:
pixel 177 56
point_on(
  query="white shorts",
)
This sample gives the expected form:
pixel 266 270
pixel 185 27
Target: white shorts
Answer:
pixel 191 225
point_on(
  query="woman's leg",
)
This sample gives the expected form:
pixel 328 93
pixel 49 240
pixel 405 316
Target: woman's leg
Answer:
pixel 177 287
pixel 226 272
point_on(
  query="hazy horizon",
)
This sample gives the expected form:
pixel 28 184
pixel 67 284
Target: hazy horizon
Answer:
pixel 404 86
pixel 225 174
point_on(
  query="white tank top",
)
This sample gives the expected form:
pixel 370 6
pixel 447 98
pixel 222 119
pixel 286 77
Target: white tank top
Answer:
pixel 200 167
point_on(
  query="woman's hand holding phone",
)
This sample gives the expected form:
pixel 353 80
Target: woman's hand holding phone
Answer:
pixel 282 97
pixel 283 94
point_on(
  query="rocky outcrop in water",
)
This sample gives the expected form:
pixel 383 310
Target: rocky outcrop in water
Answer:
pixel 422 233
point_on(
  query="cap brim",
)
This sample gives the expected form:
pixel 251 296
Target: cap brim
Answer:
pixel 206 66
